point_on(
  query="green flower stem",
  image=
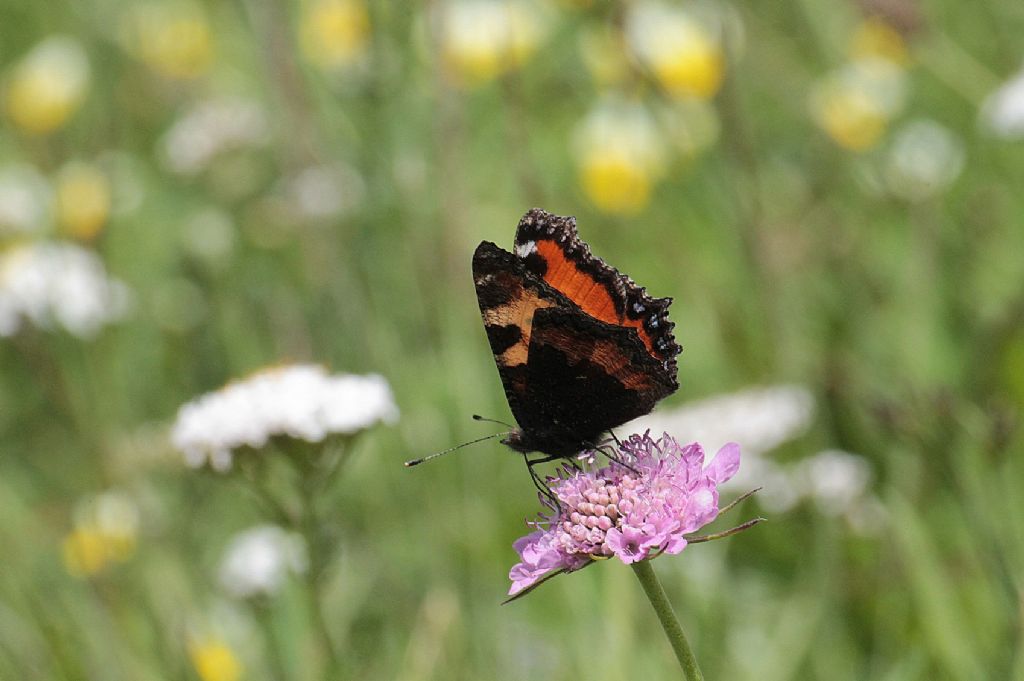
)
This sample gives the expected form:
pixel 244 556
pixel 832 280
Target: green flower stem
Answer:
pixel 659 600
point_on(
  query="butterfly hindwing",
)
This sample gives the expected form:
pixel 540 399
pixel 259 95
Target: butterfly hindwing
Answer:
pixel 585 376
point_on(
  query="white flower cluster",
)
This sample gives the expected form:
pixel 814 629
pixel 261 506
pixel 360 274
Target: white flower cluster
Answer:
pixel 58 284
pixel 300 401
pixel 258 560
pixel 210 128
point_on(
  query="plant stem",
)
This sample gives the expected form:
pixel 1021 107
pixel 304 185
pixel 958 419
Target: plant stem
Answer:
pixel 659 600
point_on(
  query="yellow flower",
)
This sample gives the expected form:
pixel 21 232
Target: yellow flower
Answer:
pixel 172 38
pixel 83 200
pixel 333 33
pixel 615 183
pixel 875 38
pixel 683 53
pixel 482 39
pixel 620 157
pixel 85 552
pixel 105 532
pixel 214 660
pixel 48 85
pixel 855 104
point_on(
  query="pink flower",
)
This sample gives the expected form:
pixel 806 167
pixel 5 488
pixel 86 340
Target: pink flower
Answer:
pixel 629 511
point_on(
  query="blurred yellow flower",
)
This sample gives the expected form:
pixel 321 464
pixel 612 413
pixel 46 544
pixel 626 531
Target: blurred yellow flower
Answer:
pixel 481 39
pixel 48 85
pixel 683 53
pixel 172 38
pixel 105 532
pixel 619 157
pixel 875 38
pixel 615 183
pixel 855 105
pixel 214 660
pixel 83 200
pixel 333 33
pixel 85 552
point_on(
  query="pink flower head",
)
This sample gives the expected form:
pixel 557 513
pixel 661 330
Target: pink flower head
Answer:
pixel 629 512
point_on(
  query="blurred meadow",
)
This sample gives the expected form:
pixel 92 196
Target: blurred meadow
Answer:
pixel 192 192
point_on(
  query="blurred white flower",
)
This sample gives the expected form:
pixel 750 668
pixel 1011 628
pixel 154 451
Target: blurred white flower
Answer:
pixel 210 128
pixel 834 480
pixel 258 560
pixel 924 159
pixel 210 234
pixel 481 39
pixel 53 283
pixel 300 401
pixel 25 200
pixel 321 192
pixel 1002 113
pixel 759 419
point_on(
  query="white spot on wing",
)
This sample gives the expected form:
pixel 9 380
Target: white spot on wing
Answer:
pixel 526 248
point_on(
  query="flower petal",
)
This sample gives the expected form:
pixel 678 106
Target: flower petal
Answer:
pixel 725 464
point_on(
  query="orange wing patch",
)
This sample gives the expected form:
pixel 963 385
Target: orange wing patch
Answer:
pixel 581 288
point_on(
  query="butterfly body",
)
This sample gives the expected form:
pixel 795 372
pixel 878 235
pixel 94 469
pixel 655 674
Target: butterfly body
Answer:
pixel 580 348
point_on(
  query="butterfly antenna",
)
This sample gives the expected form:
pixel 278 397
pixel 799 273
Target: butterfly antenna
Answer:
pixel 477 417
pixel 417 462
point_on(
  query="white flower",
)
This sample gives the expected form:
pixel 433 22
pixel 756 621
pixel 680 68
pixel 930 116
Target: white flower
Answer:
pixel 834 479
pixel 328 191
pixel 924 159
pixel 25 199
pixel 759 419
pixel 258 560
pixel 210 128
pixel 1003 111
pixel 300 401
pixel 481 39
pixel 58 284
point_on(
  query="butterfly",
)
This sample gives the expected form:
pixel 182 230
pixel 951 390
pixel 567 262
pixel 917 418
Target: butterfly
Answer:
pixel 580 347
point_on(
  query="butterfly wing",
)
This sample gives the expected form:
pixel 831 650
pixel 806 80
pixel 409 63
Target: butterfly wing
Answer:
pixel 585 376
pixel 550 248
pixel 509 297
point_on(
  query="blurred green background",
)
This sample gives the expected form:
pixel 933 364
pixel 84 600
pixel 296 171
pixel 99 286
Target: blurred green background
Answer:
pixel 829 190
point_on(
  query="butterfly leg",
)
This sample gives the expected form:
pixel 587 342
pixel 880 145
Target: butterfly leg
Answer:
pixel 613 456
pixel 541 486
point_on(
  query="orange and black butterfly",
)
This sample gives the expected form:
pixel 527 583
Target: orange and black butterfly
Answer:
pixel 580 348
